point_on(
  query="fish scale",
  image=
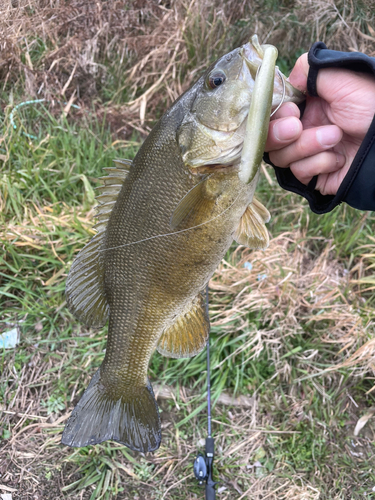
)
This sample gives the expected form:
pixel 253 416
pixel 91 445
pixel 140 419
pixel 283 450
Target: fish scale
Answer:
pixel 162 233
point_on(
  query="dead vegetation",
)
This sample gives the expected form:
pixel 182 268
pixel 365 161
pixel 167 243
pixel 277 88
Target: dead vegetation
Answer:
pixel 127 61
pixel 137 56
pixel 292 290
pixel 289 286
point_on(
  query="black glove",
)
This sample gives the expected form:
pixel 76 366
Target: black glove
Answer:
pixel 358 186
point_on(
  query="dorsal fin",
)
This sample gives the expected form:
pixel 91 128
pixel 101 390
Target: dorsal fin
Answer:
pixel 112 184
pixel 85 283
pixel 189 333
pixel 252 231
pixel 123 163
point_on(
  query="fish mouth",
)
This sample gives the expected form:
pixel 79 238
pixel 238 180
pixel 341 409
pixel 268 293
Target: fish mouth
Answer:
pixel 252 54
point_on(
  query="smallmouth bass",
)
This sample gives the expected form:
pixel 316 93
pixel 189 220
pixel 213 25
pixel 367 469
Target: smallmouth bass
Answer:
pixel 165 221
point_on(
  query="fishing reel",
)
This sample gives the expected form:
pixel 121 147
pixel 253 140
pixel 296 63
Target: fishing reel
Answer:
pixel 203 469
pixel 200 468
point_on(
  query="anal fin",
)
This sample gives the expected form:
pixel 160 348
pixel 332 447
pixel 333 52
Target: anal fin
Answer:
pixel 189 333
pixel 252 231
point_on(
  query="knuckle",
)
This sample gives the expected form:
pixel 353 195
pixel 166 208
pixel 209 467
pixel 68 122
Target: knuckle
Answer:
pixel 325 160
pixel 277 159
pixel 299 170
pixel 300 149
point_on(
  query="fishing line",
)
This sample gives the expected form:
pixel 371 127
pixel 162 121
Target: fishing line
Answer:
pixel 283 96
pixel 27 103
pixel 171 234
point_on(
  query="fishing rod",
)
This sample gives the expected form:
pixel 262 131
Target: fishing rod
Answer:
pixel 203 464
pixel 250 161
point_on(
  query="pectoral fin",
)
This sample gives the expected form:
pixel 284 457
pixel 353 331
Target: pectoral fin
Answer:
pixel 252 231
pixel 191 206
pixel 189 333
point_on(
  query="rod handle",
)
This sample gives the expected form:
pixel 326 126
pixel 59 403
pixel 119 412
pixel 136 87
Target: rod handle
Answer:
pixel 210 492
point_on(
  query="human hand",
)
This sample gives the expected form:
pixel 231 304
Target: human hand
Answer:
pixel 325 141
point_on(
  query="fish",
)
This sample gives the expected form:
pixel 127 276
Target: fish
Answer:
pixel 165 221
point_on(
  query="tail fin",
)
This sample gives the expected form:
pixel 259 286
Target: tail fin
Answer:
pixel 132 420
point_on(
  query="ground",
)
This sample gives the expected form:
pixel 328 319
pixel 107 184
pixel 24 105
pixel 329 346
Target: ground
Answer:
pixel 292 334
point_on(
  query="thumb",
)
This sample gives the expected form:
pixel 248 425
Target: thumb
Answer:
pixel 298 76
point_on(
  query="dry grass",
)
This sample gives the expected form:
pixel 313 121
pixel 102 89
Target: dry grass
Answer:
pixel 292 288
pixel 299 310
pixel 287 284
pixel 145 54
pixel 35 446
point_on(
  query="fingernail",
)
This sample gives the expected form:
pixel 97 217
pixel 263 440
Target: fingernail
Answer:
pixel 328 136
pixel 286 129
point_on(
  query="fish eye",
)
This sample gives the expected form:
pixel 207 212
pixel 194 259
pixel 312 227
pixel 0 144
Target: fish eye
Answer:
pixel 216 79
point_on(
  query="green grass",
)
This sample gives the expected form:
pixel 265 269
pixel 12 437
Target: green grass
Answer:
pixel 59 171
pixel 304 413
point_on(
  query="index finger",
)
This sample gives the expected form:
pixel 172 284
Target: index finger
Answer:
pixel 287 109
pixel 283 132
pixel 298 75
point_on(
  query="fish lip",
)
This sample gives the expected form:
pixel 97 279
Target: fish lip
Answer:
pixel 251 63
pixel 291 93
pixel 253 57
pixel 251 53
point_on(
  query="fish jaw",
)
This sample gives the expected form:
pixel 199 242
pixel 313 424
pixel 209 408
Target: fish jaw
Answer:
pixel 291 94
pixel 252 54
pixel 270 89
